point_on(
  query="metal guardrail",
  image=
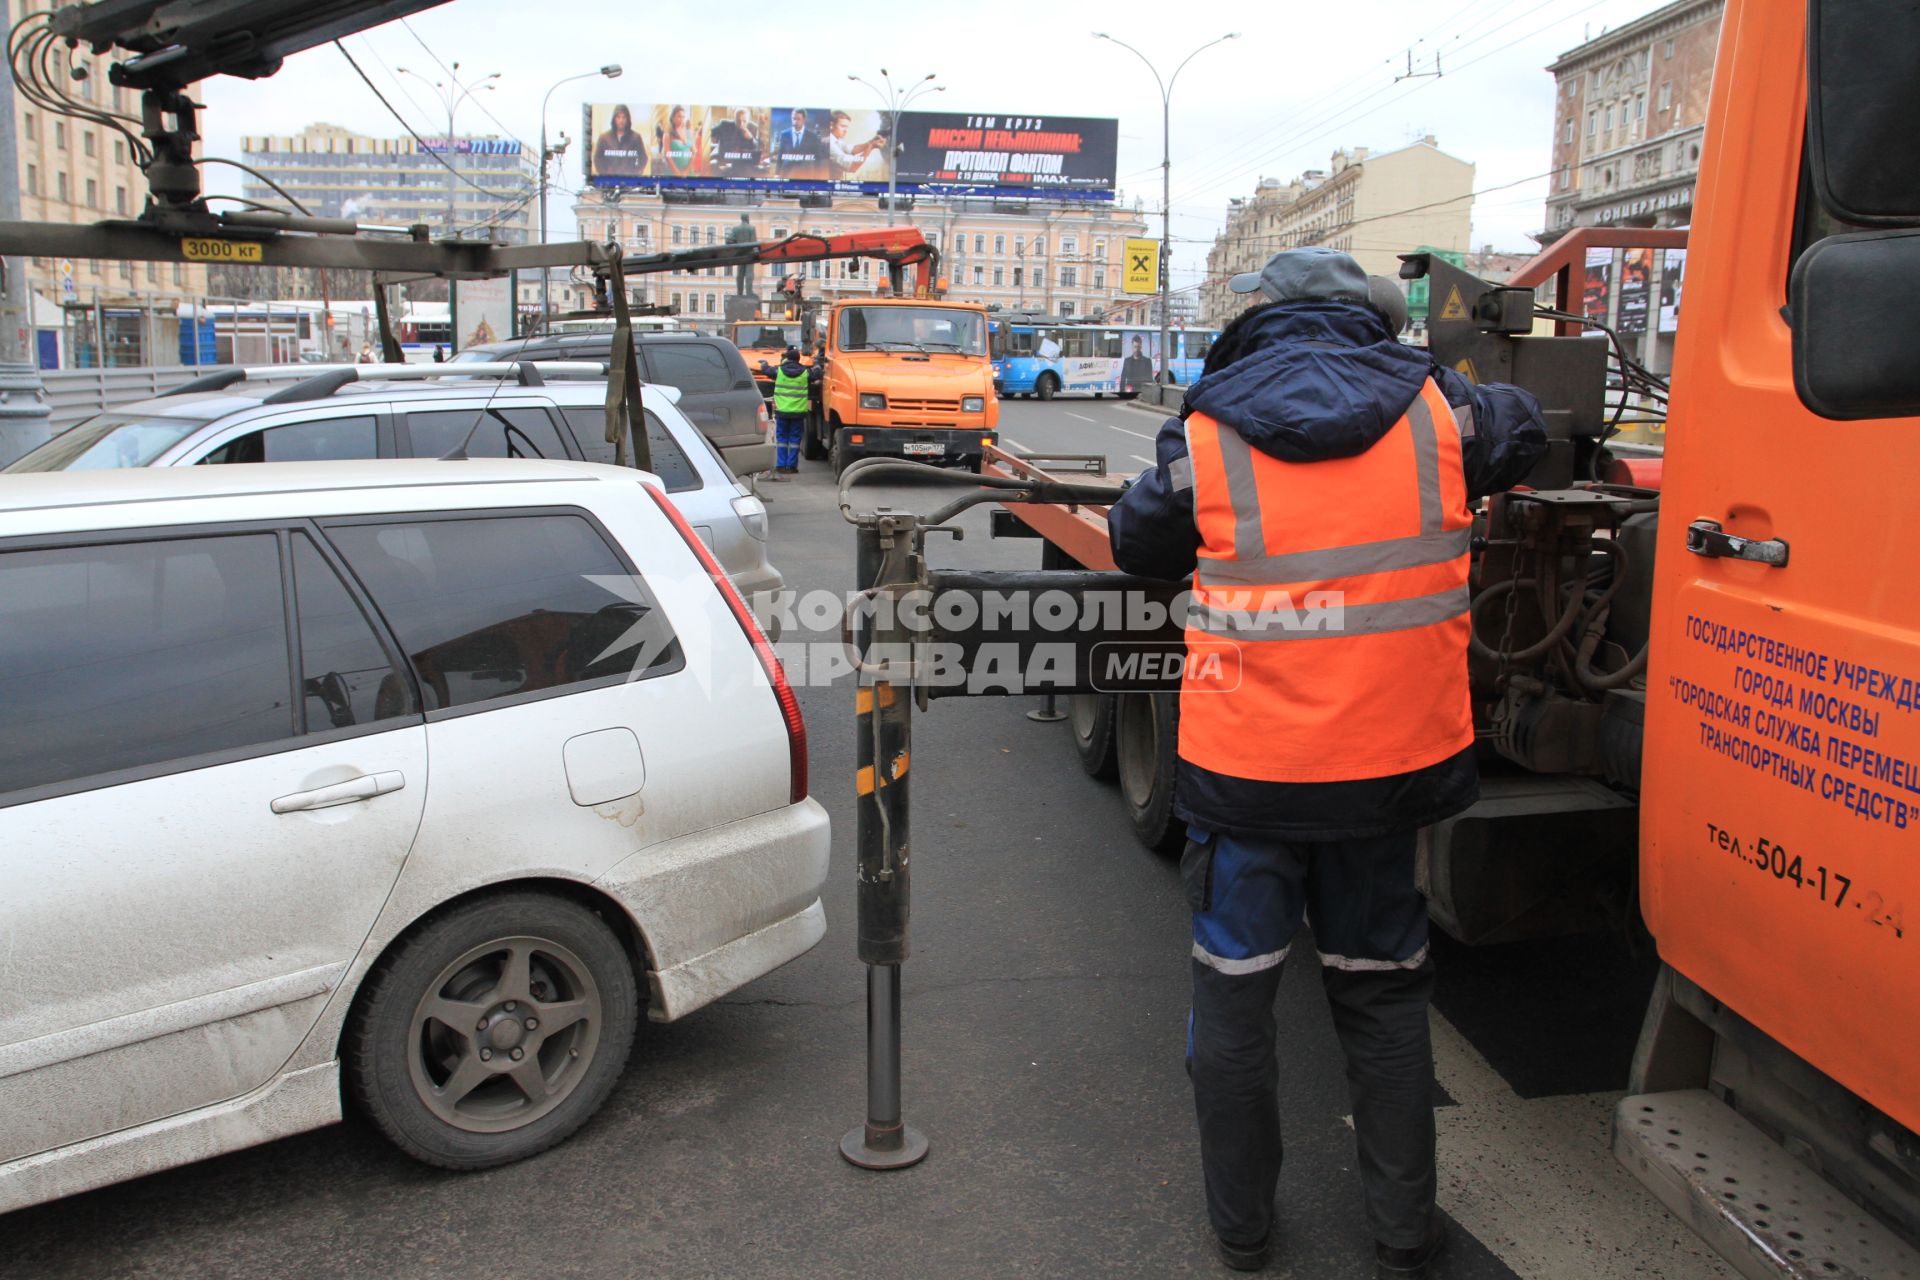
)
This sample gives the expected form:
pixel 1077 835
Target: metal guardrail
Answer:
pixel 74 395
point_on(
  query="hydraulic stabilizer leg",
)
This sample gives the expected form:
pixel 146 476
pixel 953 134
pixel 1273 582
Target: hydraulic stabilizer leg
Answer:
pixel 883 705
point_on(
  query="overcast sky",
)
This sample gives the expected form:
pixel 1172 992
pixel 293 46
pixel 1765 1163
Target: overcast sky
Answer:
pixel 1301 80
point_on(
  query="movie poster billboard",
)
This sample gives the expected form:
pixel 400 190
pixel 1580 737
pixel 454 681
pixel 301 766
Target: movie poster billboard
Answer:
pixel 482 312
pixel 1636 289
pixel 845 149
pixel 1070 153
pixel 1597 289
pixel 1672 269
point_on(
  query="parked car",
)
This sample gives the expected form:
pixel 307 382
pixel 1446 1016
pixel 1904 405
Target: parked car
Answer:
pixel 296 415
pixel 717 391
pixel 410 782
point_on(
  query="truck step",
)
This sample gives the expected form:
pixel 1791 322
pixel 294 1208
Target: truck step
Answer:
pixel 1765 1212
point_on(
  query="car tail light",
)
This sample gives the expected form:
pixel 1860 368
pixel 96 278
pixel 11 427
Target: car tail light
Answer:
pixel 776 675
pixel 856 439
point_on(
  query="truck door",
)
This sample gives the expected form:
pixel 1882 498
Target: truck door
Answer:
pixel 1781 818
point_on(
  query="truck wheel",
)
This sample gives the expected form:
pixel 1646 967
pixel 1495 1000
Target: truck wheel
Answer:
pixel 812 447
pixel 1047 386
pixel 493 1031
pixel 1091 715
pixel 1145 734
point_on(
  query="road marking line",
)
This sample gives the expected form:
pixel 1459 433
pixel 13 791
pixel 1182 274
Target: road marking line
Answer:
pixel 1014 444
pixel 1137 458
pixel 1083 417
pixel 1123 431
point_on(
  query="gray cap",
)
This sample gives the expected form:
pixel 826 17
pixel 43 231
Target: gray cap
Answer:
pixel 1389 301
pixel 1313 274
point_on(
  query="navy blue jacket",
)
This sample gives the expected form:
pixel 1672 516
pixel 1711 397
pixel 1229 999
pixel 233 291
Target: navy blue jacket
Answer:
pixel 1324 380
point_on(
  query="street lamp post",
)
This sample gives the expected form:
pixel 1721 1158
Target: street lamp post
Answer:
pixel 452 95
pixel 896 102
pixel 612 72
pixel 1166 172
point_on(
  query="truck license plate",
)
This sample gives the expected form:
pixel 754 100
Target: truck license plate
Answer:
pixel 922 446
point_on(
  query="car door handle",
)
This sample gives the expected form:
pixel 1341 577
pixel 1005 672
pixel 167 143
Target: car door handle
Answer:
pixel 364 787
pixel 1707 538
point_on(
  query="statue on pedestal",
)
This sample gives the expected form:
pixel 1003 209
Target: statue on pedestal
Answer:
pixel 743 274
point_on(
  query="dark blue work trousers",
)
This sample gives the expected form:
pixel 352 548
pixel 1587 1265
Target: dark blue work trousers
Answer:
pixel 1370 925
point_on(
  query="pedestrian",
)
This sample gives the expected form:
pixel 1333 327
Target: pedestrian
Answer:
pixel 792 390
pixel 366 353
pixel 439 355
pixel 1317 455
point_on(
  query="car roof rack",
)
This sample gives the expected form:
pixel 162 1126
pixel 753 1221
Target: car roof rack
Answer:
pixel 317 382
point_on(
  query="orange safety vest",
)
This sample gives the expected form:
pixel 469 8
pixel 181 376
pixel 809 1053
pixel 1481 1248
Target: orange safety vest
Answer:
pixel 1332 599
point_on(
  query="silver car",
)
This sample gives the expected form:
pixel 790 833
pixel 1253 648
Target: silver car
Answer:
pixel 356 412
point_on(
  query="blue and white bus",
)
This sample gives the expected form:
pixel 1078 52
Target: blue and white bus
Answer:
pixel 1037 356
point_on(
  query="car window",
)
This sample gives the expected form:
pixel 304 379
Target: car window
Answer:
pixel 346 677
pixel 499 433
pixel 494 606
pixel 690 366
pixel 670 461
pixel 128 654
pixel 322 440
pixel 109 440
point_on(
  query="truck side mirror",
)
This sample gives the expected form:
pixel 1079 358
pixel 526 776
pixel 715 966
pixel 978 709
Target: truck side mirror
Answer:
pixel 1855 330
pixel 1863 98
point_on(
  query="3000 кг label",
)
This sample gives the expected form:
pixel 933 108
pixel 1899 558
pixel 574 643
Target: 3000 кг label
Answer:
pixel 1769 858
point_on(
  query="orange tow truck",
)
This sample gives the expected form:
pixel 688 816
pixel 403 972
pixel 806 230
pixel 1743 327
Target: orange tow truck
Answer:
pixel 909 378
pixel 1697 677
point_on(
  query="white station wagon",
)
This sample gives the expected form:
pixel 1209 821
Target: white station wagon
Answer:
pixel 410 782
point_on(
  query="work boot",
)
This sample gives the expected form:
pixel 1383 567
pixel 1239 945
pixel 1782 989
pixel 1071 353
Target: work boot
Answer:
pixel 1244 1257
pixel 1391 1263
pixel 778 475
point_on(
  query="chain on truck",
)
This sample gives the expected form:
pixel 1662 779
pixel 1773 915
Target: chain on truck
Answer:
pixel 1712 727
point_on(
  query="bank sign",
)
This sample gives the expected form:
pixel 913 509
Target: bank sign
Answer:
pixel 846 149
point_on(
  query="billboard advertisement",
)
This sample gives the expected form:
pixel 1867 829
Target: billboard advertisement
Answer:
pixel 1636 285
pixel 1597 288
pixel 1141 273
pixel 826 148
pixel 1671 270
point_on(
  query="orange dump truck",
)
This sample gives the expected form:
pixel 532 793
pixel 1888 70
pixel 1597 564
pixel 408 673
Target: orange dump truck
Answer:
pixel 908 378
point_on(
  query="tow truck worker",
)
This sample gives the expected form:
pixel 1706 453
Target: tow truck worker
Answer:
pixel 792 395
pixel 1315 487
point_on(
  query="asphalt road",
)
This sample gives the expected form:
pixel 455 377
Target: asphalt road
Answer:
pixel 1044 1015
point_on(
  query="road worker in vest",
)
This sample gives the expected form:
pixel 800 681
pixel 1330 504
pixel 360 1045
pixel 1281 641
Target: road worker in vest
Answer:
pixel 792 396
pixel 1315 489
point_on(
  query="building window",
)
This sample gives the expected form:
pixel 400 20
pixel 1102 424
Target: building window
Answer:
pixel 1666 50
pixel 119 152
pixel 153 273
pixel 979 275
pixel 60 135
pixel 1069 276
pixel 676 297
pixel 33 179
pixel 119 199
pixel 779 233
pixel 1099 277
pixel 179 274
pixel 1069 245
pixel 60 186
pixel 86 139
pixel 999 277
pixel 979 244
pixel 712 234
pixel 711 308
pixel 1609 118
pixel 1639 106
pixel 999 244
pixel 678 233
pixel 1593 123
pixel 1018 277
pixel 1099 250
pixel 1066 308
pixel 1566 134
pixel 1666 96
pixel 27 123
pixel 1039 277
pixel 1019 246
pixel 1040 245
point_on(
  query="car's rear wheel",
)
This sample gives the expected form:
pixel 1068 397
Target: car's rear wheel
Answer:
pixel 1145 733
pixel 1047 386
pixel 493 1031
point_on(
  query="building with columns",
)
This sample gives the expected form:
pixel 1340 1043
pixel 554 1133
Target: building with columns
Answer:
pixel 1059 257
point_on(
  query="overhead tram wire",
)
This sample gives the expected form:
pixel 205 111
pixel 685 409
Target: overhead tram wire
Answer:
pixel 1415 88
pixel 478 105
pixel 442 160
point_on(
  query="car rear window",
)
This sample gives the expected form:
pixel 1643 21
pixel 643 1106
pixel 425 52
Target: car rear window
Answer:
pixel 109 440
pixel 128 654
pixel 670 461
pixel 492 432
pixel 498 606
pixel 690 366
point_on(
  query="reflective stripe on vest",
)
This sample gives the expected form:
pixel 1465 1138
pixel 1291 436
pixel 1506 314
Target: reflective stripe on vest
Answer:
pixel 789 391
pixel 1365 559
